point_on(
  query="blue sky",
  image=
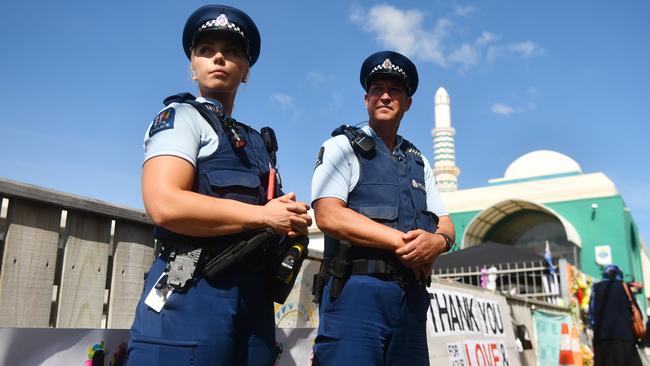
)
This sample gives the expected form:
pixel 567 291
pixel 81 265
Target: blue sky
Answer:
pixel 81 80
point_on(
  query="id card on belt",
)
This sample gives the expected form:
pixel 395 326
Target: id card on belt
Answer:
pixel 159 294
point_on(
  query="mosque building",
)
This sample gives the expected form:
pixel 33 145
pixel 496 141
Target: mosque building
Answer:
pixel 543 196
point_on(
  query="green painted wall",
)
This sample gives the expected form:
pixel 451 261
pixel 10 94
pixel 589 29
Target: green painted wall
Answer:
pixel 609 224
pixel 461 220
pixel 635 248
pixel 605 225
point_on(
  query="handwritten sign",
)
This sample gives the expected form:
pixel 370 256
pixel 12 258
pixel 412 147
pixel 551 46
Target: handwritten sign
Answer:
pixel 469 327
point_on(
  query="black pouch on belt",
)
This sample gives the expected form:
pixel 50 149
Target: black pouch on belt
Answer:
pixel 340 269
pixel 247 254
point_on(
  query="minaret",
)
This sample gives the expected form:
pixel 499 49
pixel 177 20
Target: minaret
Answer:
pixel 444 150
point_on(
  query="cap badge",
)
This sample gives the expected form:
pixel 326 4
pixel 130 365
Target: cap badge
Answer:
pixel 390 66
pixel 222 20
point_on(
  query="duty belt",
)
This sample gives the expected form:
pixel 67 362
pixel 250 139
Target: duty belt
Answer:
pixel 214 256
pixel 378 266
pixel 211 247
pixel 339 268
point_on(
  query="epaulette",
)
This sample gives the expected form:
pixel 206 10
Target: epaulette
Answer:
pixel 409 148
pixel 359 140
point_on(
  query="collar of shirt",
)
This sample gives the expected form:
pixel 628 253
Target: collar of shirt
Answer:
pixel 367 129
pixel 211 101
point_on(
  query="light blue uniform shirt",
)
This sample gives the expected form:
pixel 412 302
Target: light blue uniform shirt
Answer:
pixel 191 137
pixel 338 173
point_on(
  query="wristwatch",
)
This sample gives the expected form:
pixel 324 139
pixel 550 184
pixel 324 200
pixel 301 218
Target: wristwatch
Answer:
pixel 448 242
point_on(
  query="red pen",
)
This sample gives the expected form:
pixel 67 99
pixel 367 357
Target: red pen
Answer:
pixel 270 191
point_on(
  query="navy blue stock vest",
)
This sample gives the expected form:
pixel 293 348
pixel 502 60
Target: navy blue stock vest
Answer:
pixel 391 191
pixel 237 174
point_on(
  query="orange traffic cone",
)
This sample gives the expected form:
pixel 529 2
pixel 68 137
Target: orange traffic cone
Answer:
pixel 566 351
pixel 575 346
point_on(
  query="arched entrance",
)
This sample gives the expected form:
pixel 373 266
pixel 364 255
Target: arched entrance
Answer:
pixel 525 225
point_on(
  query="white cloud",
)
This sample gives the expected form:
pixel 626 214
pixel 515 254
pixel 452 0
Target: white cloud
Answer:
pixel 356 14
pixel 463 11
pixel 315 78
pixel 486 38
pixel 522 102
pixel 469 55
pixel 284 101
pixel 525 49
pixel 466 56
pixel 405 31
pixel 493 52
pixel 502 109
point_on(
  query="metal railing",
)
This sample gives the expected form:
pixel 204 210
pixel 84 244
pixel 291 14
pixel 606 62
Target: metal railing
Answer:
pixel 528 279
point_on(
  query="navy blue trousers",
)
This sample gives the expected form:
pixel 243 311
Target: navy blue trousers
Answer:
pixel 225 322
pixel 373 322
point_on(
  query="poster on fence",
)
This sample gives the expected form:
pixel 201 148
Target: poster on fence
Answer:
pixel 548 327
pixel 107 347
pixel 469 327
pixel 58 346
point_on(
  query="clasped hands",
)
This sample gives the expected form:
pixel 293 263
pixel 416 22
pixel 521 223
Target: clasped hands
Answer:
pixel 418 249
pixel 286 216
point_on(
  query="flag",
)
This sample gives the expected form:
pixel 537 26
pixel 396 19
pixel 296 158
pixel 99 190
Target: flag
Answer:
pixel 549 261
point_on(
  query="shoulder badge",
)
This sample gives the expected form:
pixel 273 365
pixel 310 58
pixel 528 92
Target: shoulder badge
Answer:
pixel 163 121
pixel 319 160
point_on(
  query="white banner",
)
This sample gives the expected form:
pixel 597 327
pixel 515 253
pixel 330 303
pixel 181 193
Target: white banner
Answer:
pixel 469 327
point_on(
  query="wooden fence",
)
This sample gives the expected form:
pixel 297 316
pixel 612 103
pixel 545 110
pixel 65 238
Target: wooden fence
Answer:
pixel 69 261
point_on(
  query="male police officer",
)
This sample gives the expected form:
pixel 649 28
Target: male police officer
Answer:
pixel 374 190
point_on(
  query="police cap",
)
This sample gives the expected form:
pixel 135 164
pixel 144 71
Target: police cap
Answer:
pixel 389 63
pixel 222 18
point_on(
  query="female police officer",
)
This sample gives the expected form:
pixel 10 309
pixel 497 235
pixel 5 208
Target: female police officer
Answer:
pixel 208 183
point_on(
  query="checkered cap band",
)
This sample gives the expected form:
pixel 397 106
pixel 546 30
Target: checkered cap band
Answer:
pixel 214 23
pixel 389 66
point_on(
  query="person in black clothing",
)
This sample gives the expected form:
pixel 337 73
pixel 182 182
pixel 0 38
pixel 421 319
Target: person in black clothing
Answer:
pixel 610 318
